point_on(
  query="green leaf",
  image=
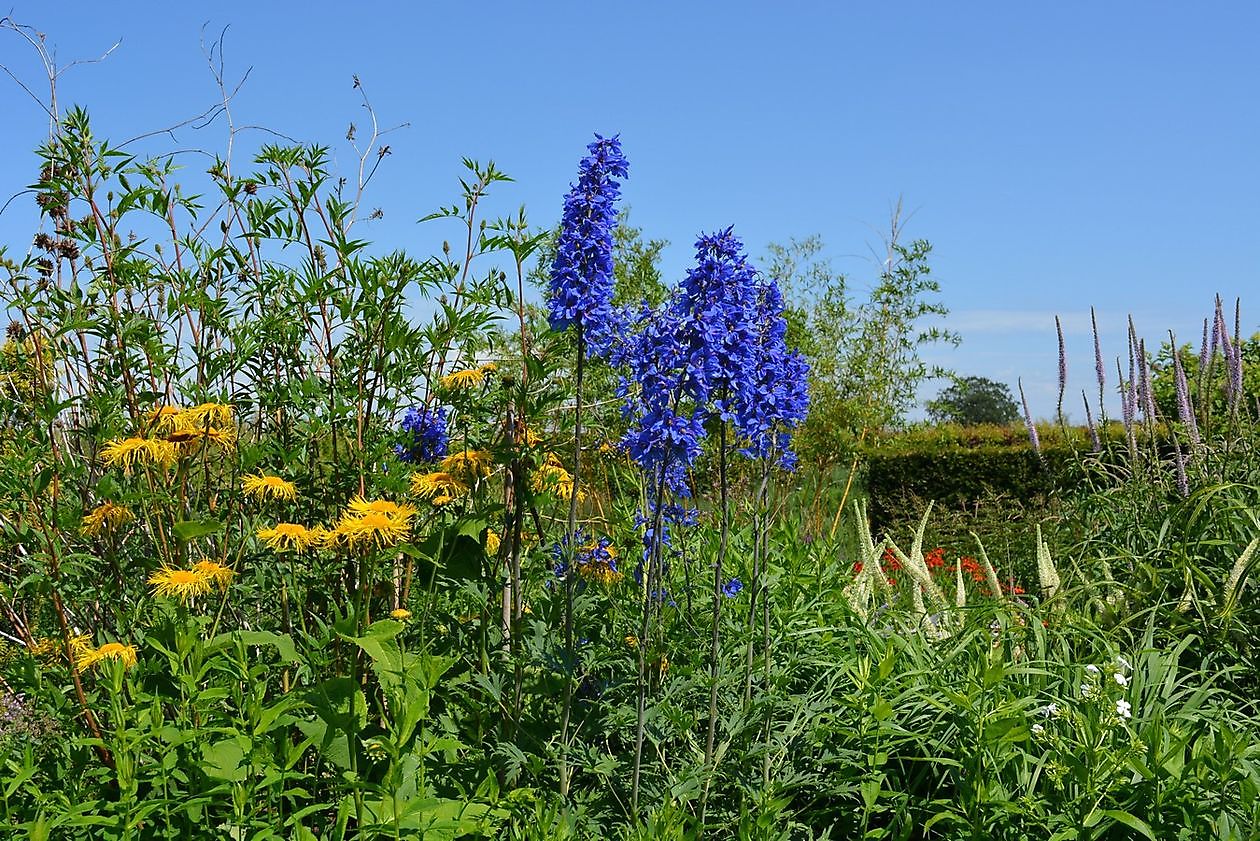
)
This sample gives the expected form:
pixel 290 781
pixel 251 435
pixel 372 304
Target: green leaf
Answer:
pixel 187 530
pixel 222 760
pixel 1131 821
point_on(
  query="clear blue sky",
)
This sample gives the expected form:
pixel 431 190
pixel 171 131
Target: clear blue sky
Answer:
pixel 1057 155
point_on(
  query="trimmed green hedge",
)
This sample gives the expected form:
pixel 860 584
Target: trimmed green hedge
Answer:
pixel 963 468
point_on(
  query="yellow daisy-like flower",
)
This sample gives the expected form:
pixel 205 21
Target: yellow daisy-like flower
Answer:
pixel 215 572
pixel 370 528
pixel 291 537
pixel 400 613
pixel 42 647
pixel 359 506
pixel 489 368
pixel 182 584
pixel 552 477
pixel 105 518
pixel 206 415
pixel 162 419
pixel 262 486
pixel 129 452
pixel 468 465
pixel 51 647
pixel 632 641
pixel 464 379
pixel 186 440
pixel 125 654
pixel 432 486
pixel 492 543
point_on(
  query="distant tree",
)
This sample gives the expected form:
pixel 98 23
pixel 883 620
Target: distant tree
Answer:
pixel 974 400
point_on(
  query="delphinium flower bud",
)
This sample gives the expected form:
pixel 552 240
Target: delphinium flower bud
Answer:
pixel 581 288
pixel 778 400
pixel 425 435
pixel 691 358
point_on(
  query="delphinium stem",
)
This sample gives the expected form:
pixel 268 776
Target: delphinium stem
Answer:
pixel 651 578
pixel 714 652
pixel 570 552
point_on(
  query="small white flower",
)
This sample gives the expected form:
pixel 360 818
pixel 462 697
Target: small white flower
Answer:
pixel 1038 729
pixel 1123 663
pixel 1092 669
pixel 1088 690
pixel 1121 679
pixel 1124 709
pixel 1050 710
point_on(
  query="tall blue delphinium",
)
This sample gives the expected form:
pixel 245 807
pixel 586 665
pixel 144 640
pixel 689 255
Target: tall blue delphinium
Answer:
pixel 582 274
pixel 424 435
pixel 766 415
pixel 581 291
pixel 690 360
pixel 690 363
pixel 777 399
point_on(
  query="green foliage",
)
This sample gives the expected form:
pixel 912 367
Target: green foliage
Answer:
pixel 865 355
pixel 404 678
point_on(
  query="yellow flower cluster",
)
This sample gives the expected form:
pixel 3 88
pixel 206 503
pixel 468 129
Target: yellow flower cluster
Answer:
pixel 105 518
pixel 372 528
pixel 468 377
pixel 468 465
pixel 170 433
pixel 291 537
pixel 49 647
pixel 262 486
pixel 552 477
pixel 188 584
pixel 125 654
pixel 439 488
pixel 376 522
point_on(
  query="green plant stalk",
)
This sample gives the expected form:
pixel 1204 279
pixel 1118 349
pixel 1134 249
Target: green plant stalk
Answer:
pixel 714 650
pixel 650 577
pixel 758 563
pixel 571 554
